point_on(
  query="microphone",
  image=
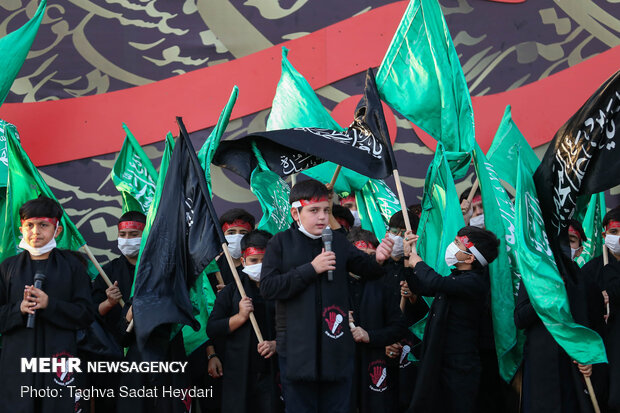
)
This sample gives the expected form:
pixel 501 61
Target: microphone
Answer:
pixel 327 236
pixel 39 279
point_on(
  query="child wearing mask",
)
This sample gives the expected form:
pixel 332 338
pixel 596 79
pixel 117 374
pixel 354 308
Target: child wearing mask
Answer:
pixel 314 345
pixel 472 213
pixel 235 224
pixel 249 383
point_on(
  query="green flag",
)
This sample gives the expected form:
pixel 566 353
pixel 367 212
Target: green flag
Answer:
pixel 134 176
pixel 202 298
pixel 14 48
pixel 543 281
pixel 592 222
pixel 505 147
pixel 499 218
pixel 4 152
pixel 295 103
pixel 25 183
pixel 273 195
pixel 207 152
pixel 376 203
pixel 440 221
pixel 421 77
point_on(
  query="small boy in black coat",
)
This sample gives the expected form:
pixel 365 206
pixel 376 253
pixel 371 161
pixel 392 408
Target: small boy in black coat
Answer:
pixel 314 344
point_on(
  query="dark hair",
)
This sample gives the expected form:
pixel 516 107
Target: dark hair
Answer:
pixel 612 215
pixel 398 221
pixel 41 207
pixel 135 216
pixel 338 211
pixel 358 234
pixel 257 238
pixel 466 192
pixel 237 213
pixel 485 241
pixel 307 189
pixel 416 209
pixel 577 226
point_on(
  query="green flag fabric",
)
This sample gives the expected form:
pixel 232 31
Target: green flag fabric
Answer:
pixel 207 151
pixel 134 176
pixel 376 203
pixel 421 77
pixel 499 218
pixel 440 221
pixel 273 195
pixel 4 152
pixel 25 183
pixel 202 298
pixel 14 48
pixel 543 281
pixel 295 104
pixel 507 144
pixel 593 227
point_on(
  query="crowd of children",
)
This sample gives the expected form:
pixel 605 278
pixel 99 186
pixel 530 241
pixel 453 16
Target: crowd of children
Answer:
pixel 335 320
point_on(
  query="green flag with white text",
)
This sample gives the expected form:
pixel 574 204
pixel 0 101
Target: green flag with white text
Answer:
pixel 421 77
pixel 4 151
pixel 592 223
pixel 25 183
pixel 540 276
pixel 499 218
pixel 207 151
pixel 14 48
pixel 134 176
pixel 440 221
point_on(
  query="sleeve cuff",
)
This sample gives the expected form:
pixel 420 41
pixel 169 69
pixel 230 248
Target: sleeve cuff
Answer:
pixel 307 272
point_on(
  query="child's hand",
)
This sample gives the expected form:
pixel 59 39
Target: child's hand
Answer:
pixel 27 304
pixel 384 250
pixel 585 369
pixel 214 367
pixel 266 348
pixel 393 350
pixel 245 308
pixel 114 294
pixel 39 297
pixel 360 335
pixel 324 262
pixel 406 292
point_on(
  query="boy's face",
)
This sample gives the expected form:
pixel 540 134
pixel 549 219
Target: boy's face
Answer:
pixel 236 230
pixel 252 259
pixel 365 247
pixel 38 232
pixel 476 207
pixel 313 217
pixel 612 230
pixel 128 233
pixel 575 243
pixel 349 203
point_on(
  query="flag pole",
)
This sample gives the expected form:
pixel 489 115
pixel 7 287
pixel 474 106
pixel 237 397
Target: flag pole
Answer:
pixel 605 262
pixel 403 207
pixel 241 290
pixel 472 191
pixel 592 395
pixel 101 272
pixel 331 184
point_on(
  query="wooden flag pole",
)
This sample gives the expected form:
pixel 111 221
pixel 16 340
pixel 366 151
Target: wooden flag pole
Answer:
pixel 220 280
pixel 330 186
pixel 241 290
pixel 592 395
pixel 101 272
pixel 403 207
pixel 472 192
pixel 605 262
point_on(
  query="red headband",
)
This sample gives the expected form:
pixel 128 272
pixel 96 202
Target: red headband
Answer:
pixel 574 231
pixel 131 225
pixel 612 224
pixel 53 221
pixel 344 223
pixel 477 198
pixel 350 198
pixel 237 223
pixel 468 244
pixel 253 251
pixel 306 202
pixel 364 244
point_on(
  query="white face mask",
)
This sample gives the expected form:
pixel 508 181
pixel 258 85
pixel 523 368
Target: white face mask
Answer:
pixel 34 251
pixel 450 256
pixel 253 271
pixel 613 243
pixel 399 248
pixel 477 221
pixel 356 217
pixel 234 245
pixel 129 247
pixel 305 231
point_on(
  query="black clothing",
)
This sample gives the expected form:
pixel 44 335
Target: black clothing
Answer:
pixel 610 275
pixel 311 312
pixel 249 379
pixel 69 309
pixel 449 372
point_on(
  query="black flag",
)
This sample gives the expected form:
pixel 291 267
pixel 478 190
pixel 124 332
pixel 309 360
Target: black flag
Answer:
pixel 364 147
pixel 582 159
pixel 184 238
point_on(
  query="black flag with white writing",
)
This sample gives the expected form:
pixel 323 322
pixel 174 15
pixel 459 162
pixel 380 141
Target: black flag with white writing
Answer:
pixel 364 147
pixel 184 238
pixel 582 159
